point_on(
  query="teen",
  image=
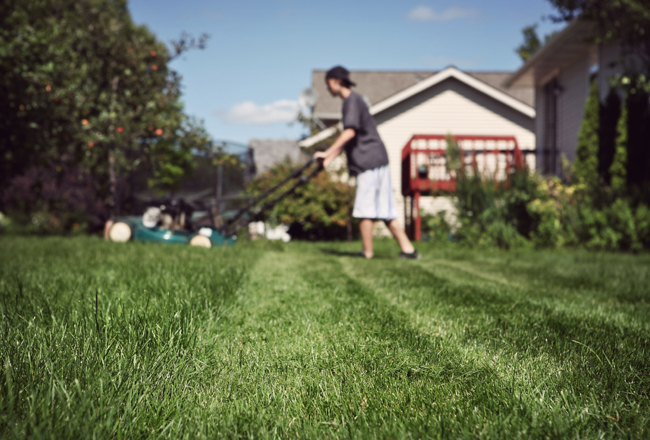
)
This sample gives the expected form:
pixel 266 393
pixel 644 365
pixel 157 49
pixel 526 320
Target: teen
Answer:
pixel 368 161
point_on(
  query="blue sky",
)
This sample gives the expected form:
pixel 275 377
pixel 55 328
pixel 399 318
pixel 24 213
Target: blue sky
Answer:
pixel 246 83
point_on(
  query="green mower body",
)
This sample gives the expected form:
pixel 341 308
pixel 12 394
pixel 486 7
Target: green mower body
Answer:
pixel 141 233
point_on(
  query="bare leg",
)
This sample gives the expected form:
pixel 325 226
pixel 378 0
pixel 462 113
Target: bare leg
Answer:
pixel 400 236
pixel 366 237
pixel 107 229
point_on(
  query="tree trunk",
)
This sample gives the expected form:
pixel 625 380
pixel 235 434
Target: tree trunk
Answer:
pixel 112 184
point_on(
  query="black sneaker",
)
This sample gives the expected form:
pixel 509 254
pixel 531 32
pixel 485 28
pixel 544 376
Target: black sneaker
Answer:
pixel 412 256
pixel 362 255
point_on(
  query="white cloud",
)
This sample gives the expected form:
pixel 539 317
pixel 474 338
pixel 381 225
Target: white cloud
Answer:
pixel 425 13
pixel 249 113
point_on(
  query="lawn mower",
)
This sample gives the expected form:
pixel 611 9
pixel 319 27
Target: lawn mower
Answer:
pixel 177 221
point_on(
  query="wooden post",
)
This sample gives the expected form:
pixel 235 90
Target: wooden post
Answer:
pixel 112 184
pixel 217 219
pixel 418 219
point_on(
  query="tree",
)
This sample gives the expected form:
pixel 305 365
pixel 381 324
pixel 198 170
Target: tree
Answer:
pixel 585 168
pixel 531 43
pixel 610 113
pixel 79 80
pixel 618 169
pixel 623 21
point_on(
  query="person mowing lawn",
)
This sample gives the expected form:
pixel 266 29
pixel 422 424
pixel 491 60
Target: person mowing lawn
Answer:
pixel 368 161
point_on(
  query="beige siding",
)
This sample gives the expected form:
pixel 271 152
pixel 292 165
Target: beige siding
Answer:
pixel 571 105
pixel 540 124
pixel 449 107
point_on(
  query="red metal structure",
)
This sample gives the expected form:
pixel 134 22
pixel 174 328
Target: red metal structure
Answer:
pixel 424 165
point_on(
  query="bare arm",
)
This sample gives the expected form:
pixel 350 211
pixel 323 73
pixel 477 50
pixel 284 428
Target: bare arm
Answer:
pixel 333 151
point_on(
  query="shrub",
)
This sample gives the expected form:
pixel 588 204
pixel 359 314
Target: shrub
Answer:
pixel 490 213
pixel 548 213
pixel 586 164
pixel 435 227
pixel 618 169
pixel 59 198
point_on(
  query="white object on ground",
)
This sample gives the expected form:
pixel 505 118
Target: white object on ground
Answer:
pixel 201 241
pixel 120 232
pixel 278 233
pixel 259 229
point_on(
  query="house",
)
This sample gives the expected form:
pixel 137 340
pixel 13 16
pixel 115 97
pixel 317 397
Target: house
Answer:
pixel 417 103
pixel 561 73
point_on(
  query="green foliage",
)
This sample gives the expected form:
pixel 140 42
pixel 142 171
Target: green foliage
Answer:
pixel 550 209
pixel 491 213
pixel 547 214
pixel 610 113
pixel 318 209
pixel 435 227
pixel 618 169
pixel 454 161
pixel 531 43
pixel 586 163
pixel 624 21
pixel 80 80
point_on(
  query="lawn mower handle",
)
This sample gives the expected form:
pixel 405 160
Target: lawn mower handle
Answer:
pixel 236 221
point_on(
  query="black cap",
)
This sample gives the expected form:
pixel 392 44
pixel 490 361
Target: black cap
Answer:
pixel 339 72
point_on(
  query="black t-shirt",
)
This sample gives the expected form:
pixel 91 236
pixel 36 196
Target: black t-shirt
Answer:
pixel 366 150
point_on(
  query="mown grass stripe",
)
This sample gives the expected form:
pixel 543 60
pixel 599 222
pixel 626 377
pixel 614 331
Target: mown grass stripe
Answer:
pixel 433 298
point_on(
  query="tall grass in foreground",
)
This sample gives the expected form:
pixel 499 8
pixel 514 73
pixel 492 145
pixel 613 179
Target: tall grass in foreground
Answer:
pixel 98 340
pixel 272 341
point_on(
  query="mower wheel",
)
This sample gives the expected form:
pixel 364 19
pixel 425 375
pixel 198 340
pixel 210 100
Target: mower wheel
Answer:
pixel 120 232
pixel 201 241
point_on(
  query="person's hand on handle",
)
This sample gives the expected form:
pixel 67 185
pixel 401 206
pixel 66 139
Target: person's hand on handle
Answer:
pixel 328 156
pixel 324 157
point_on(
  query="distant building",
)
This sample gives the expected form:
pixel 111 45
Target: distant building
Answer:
pixel 449 101
pixel 268 152
pixel 561 73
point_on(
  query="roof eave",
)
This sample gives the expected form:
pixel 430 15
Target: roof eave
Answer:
pixel 525 76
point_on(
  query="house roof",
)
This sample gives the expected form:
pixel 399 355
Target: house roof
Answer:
pixel 560 51
pixel 377 86
pixel 430 81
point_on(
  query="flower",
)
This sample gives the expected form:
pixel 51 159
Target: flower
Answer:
pixel 48 88
pixel 153 53
pixel 120 129
pixel 154 67
pixel 91 144
pixel 159 131
pixel 84 121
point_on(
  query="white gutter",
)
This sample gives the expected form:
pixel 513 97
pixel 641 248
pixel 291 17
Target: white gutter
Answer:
pixel 320 136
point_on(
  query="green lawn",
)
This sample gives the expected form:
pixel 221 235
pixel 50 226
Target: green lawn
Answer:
pixel 265 340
